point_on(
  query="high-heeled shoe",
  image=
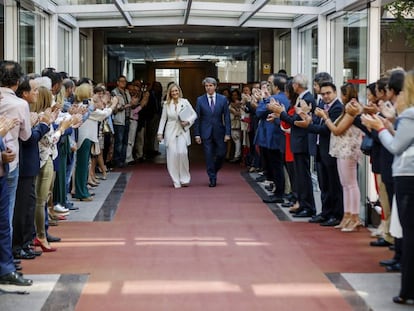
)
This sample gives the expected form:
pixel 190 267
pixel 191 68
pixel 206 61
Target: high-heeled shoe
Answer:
pixel 46 249
pixel 353 225
pixel 345 220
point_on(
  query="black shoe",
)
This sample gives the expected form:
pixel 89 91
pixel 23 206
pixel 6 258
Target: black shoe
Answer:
pixel 273 199
pixel 394 268
pixel 130 163
pixel 17 261
pixel 317 219
pixel 32 251
pixel 14 278
pixel 388 262
pixel 22 254
pixel 288 204
pixel 331 222
pixel 303 213
pixel 260 179
pixel 18 267
pixel 212 183
pixel 403 301
pixel 380 242
pixel 270 187
pixel 392 247
pixel 51 238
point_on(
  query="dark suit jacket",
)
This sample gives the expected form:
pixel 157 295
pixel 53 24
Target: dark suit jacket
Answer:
pixel 319 127
pixel 29 160
pixel 299 140
pixel 212 124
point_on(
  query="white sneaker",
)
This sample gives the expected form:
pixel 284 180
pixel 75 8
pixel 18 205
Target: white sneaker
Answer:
pixel 60 209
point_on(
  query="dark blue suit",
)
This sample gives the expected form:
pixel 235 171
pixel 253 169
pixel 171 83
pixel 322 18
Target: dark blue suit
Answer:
pixel 299 144
pixel 329 183
pixel 212 126
pixel 270 139
pixel 29 167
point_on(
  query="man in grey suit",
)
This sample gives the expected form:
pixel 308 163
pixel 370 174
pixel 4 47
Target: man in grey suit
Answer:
pixel 212 127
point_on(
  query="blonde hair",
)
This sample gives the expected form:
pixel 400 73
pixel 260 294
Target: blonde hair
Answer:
pixel 44 100
pixel 169 98
pixel 408 89
pixel 83 91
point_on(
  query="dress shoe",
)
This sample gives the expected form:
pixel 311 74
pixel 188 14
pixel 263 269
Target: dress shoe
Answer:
pixel 317 219
pixel 14 278
pixel 45 246
pixel 303 213
pixel 17 261
pixel 22 254
pixel 18 267
pixel 260 179
pixel 331 222
pixel 388 262
pixel 32 251
pixel 403 301
pixel 394 268
pixel 213 182
pixel 288 204
pixel 51 238
pixel 380 242
pixel 391 247
pixel 273 199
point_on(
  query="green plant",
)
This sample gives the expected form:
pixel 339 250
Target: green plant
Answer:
pixel 403 12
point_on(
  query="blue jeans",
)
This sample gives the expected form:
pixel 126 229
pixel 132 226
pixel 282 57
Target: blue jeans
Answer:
pixel 120 143
pixel 12 180
pixel 6 258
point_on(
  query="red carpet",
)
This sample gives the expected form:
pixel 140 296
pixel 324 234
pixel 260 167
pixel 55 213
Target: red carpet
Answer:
pixel 201 248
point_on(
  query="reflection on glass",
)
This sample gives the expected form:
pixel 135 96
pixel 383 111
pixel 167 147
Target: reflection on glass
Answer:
pixel 27 40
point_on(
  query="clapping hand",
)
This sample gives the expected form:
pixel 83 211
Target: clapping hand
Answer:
pixel 7 124
pixel 387 110
pixel 271 117
pixel 306 119
pixel 321 113
pixel 34 118
pixel 353 108
pixel 302 105
pixel 372 121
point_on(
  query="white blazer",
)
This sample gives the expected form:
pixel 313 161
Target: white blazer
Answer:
pixel 170 124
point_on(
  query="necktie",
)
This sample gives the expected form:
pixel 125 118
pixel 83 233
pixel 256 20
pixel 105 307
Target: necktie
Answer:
pixel 212 103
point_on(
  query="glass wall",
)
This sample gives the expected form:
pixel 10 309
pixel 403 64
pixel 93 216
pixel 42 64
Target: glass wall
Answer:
pixel 309 51
pixel 349 38
pixel 65 48
pixel 33 40
pixel 83 46
pixel 285 52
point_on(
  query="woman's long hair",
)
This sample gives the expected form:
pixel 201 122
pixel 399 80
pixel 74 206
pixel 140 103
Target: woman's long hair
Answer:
pixel 169 98
pixel 408 89
pixel 44 100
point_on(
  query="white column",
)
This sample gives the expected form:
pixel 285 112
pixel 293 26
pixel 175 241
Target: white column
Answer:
pixel 11 31
pixel 295 52
pixel 75 53
pixel 53 42
pixel 374 41
pixel 322 43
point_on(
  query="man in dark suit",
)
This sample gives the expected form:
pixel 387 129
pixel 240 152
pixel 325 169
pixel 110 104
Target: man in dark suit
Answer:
pixel 332 202
pixel 212 127
pixel 300 147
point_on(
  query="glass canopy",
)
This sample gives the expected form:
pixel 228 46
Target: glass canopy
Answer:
pixel 231 13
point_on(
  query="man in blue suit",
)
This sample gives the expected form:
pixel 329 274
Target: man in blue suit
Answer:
pixel 212 127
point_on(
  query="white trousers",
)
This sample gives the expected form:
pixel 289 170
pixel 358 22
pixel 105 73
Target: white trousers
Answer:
pixel 177 161
pixel 131 139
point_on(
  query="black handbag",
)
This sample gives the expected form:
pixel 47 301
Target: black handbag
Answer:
pixel 366 145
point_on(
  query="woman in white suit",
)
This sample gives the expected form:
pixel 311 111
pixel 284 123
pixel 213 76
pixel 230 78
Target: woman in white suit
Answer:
pixel 177 117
